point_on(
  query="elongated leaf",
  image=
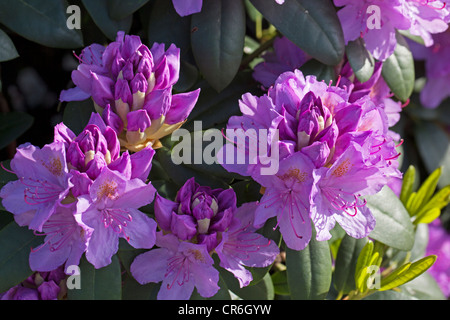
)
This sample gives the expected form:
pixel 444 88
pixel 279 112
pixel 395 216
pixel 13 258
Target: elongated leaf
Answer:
pixel 438 201
pixel 311 24
pixel 120 9
pixel 280 283
pixel 77 113
pixel 7 49
pixel 361 61
pixel 407 274
pixel 398 70
pixel 407 184
pixel 393 225
pixel 434 148
pixel 364 256
pixel 309 271
pixel 166 26
pixel 98 284
pixel 428 216
pixel 346 260
pixel 425 192
pixel 218 42
pixel 98 10
pixel 321 71
pixel 13 125
pixel 44 22
pixel 16 243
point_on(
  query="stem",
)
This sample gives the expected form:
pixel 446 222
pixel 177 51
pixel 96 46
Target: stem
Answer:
pixel 263 47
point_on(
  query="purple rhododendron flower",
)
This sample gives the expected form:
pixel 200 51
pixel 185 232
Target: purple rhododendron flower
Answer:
pixel 286 56
pixel 439 245
pixel 376 21
pixel 324 143
pixel 111 210
pixel 131 86
pixel 66 239
pixel 427 17
pixel 96 147
pixel 180 266
pixel 437 68
pixel 39 286
pixel 199 222
pixel 43 182
pixel 380 40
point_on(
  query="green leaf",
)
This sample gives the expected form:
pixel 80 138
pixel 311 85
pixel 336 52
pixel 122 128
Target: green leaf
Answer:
pixel 309 271
pixel 363 259
pixel 166 26
pixel 280 283
pixel 133 290
pixel 120 9
pixel 346 261
pixel 408 273
pixel 321 71
pixel 393 225
pixel 98 284
pixel 433 145
pixel 398 70
pixel 16 243
pixel 263 290
pixel 77 114
pixel 361 61
pixel 214 108
pixel 432 209
pixel 218 42
pixel 44 22
pixel 407 184
pixel 311 24
pixel 98 10
pixel 7 49
pixel 421 288
pixel 425 192
pixel 13 125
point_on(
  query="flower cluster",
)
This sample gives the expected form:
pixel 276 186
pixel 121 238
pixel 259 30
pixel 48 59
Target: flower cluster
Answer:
pixel 376 21
pixel 82 195
pixel 131 86
pixel 333 151
pixel 437 86
pixel 198 223
pixel 39 286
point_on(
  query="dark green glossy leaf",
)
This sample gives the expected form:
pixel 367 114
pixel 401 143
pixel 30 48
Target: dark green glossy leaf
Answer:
pixel 44 22
pixel 280 283
pixel 345 265
pixel 98 10
pixel 433 144
pixel 320 70
pixel 407 184
pixel 16 243
pixel 311 24
pixel 120 9
pixel 309 271
pixel 393 225
pixel 166 26
pixel 218 40
pixel 398 70
pixel 98 284
pixel 361 61
pixel 7 49
pixel 13 125
pixel 77 114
